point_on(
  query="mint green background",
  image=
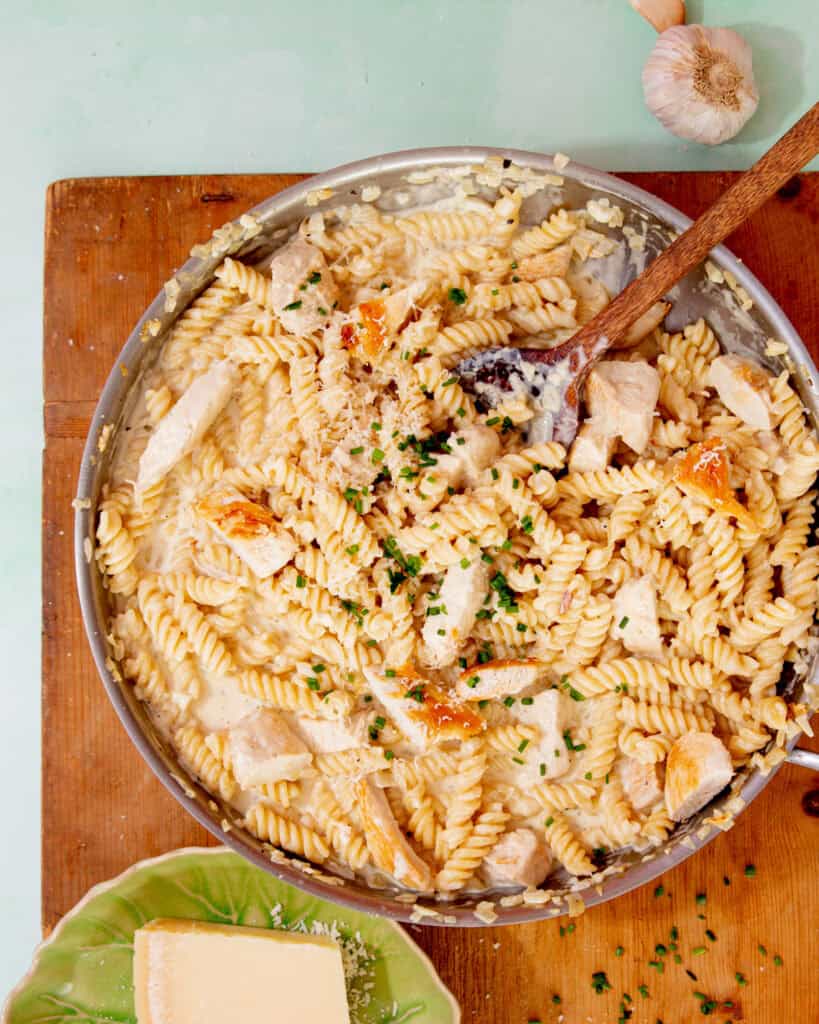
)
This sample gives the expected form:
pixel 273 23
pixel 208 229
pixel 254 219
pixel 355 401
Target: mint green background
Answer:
pixel 145 88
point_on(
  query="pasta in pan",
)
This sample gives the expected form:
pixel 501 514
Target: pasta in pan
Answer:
pixel 399 633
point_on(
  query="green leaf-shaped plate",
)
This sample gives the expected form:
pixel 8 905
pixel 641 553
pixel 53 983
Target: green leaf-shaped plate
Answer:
pixel 82 973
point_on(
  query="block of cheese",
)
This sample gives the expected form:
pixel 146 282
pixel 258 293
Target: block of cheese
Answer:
pixel 189 972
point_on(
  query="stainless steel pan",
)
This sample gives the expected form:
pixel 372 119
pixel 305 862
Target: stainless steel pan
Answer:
pixel 403 181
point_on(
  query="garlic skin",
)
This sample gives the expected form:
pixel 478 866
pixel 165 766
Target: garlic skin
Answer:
pixel 660 14
pixel 699 83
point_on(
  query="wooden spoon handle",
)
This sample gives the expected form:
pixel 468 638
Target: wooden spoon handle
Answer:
pixel 784 159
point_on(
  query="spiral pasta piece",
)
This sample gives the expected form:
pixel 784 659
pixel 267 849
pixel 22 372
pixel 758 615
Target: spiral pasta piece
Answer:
pixel 663 719
pixel 193 750
pixel 645 748
pixel 558 227
pixel 566 846
pixel 464 862
pixel 347 842
pixel 270 826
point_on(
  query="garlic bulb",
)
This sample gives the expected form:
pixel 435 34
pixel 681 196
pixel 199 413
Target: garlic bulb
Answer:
pixel 699 83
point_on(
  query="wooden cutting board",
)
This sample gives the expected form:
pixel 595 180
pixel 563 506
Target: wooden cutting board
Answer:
pixel 110 243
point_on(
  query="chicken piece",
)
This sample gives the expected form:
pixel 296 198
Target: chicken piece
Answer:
pixel 472 451
pixel 250 530
pixel 520 857
pixel 641 783
pixel 591 451
pixel 554 263
pixel 421 710
pixel 697 768
pixel 386 842
pixel 498 678
pixel 703 472
pixel 644 325
pixel 302 290
pixel 264 749
pixel 743 387
pixel 460 599
pixel 476 448
pixel 635 622
pixel 776 450
pixel 329 736
pixel 181 430
pixel 545 758
pixel 371 326
pixel 621 398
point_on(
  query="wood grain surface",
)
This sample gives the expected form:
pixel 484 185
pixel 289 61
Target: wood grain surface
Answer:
pixel 110 243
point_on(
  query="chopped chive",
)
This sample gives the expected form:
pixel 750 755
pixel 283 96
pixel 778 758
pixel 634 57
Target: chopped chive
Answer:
pixel 762 949
pixel 509 701
pixel 388 755
pixel 623 622
pixel 493 421
pixel 659 891
pixel 314 278
pixel 389 672
pixel 658 965
pixel 375 426
pixel 675 932
pixel 660 949
pixel 301 582
pixel 600 983
pixel 700 898
pixel 352 549
pixel 677 958
pixel 619 951
pixel 457 295
pixel 542 768
pixel 293 305
pixel 465 563
pixel 522 746
pixel 549 821
pixel 698 951
pixel 643 990
pixel 750 871
pixel 495 473
pixel 357 450
pixel 740 978
pixel 313 683
pixel 377 456
pixel 778 960
pixel 527 701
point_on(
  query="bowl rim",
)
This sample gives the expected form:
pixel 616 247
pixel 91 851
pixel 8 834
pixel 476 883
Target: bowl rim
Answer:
pixel 353 894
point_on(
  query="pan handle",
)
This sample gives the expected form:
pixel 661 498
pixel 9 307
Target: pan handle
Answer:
pixel 804 758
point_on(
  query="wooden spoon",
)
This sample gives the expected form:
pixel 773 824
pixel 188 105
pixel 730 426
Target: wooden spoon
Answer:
pixel 554 376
